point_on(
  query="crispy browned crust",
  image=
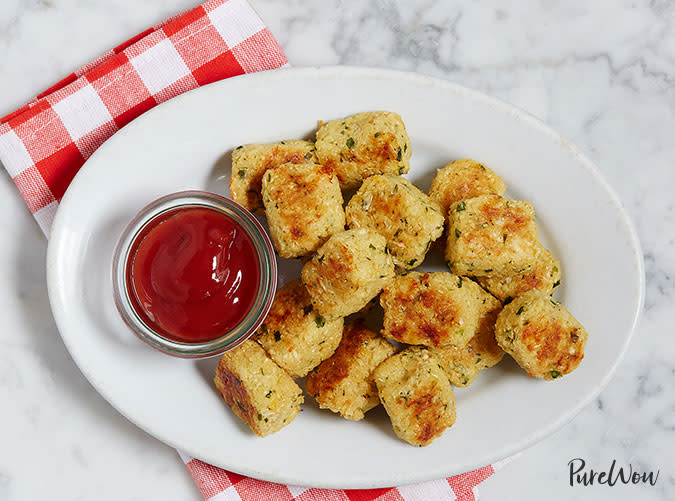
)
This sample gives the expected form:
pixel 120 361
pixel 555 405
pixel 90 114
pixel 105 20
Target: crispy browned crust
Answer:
pixel 544 275
pixel 286 303
pixel 541 335
pixel 462 364
pixel 230 387
pixel 293 193
pixel 344 382
pixel 430 309
pixel 347 272
pixel 427 410
pixel 253 160
pixel 363 145
pixel 303 204
pixel 327 376
pixel 398 210
pixel 491 236
pixel 554 340
pixel 294 335
pixel 376 150
pixel 259 392
pixel 464 179
pixel 484 341
pixel 416 395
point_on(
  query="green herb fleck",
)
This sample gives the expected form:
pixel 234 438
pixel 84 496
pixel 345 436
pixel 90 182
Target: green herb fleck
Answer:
pixel 320 321
pixel 520 310
pixel 457 233
pixel 378 134
pixel 269 394
pixel 400 170
pixel 350 142
pixel 259 417
pixel 459 283
pixel 239 147
pixel 504 237
pixel 241 173
pixel 372 246
pixel 460 206
pixel 555 269
pixel 556 284
pixel 240 406
pixel 555 374
pixel 405 147
pixel 412 262
pixel 554 302
pixel 399 155
pixel 488 270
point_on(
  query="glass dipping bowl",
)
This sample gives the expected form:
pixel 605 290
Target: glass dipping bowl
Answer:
pixel 264 294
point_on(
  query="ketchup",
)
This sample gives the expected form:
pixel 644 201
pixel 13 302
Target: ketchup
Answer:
pixel 193 274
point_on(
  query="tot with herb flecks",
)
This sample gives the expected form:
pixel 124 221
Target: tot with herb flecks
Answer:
pixel 349 270
pixel 462 364
pixel 251 161
pixel 491 236
pixel 257 389
pixel 395 208
pixel 344 383
pixel 362 145
pixel 431 309
pixel 294 335
pixel 541 335
pixel 416 394
pixel 464 179
pixel 303 204
pixel 544 275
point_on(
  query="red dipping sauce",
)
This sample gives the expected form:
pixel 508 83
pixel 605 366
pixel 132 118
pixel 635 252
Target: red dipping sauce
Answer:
pixel 193 274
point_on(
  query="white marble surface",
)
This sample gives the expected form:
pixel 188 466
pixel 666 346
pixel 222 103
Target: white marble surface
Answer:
pixel 602 73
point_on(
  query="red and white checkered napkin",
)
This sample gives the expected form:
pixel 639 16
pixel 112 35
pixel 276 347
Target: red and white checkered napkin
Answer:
pixel 44 143
pixel 216 484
